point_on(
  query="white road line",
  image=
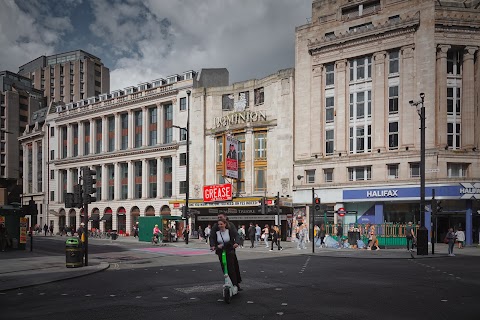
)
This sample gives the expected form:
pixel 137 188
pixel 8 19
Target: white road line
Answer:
pixel 250 302
pixel 284 304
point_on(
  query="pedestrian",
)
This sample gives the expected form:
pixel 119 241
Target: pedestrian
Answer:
pixel 200 233
pixel 322 235
pixel 460 238
pixel 251 234
pixel 241 235
pixel 410 235
pixel 372 239
pixel 207 233
pixel 316 232
pixel 186 231
pixel 225 239
pixel 340 235
pixel 80 231
pixel 266 235
pixel 302 235
pixel 275 236
pixel 450 239
pixel 45 229
pixel 258 232
pixel 51 229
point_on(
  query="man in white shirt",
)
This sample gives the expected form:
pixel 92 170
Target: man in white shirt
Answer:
pixel 208 229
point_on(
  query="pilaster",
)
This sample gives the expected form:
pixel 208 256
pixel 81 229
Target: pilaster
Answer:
pixel 441 81
pixel 468 99
pixel 408 117
pixel 317 104
pixel 380 82
pixel 342 103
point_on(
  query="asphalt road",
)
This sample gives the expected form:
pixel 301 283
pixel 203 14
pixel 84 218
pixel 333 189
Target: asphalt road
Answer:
pixel 283 287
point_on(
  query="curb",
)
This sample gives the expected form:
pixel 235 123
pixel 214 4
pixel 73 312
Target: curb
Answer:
pixel 71 275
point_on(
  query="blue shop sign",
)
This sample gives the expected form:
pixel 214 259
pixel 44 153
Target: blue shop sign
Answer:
pixel 451 191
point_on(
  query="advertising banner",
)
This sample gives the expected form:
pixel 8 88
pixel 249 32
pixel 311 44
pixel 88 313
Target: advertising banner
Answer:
pixel 23 230
pixel 217 192
pixel 231 159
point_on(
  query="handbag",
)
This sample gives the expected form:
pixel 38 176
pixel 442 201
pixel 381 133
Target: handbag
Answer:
pixel 445 240
pixel 262 236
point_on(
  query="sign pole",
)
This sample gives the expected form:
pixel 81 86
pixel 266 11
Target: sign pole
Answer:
pixel 312 220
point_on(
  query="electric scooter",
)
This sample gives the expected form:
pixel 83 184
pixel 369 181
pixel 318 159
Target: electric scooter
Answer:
pixel 229 290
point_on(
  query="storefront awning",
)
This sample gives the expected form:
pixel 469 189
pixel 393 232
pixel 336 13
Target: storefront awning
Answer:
pixel 106 217
pixel 94 217
pixel 108 211
pixel 122 211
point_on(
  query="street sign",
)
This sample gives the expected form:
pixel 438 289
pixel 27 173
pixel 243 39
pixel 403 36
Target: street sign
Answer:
pixel 217 192
pixel 432 170
pixel 341 212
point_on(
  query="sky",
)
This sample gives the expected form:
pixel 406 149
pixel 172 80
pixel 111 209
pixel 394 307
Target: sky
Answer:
pixel 142 40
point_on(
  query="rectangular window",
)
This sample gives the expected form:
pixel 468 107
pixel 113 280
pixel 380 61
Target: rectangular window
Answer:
pixel 329 109
pixel 453 135
pixel 64 142
pixel 414 170
pixel 86 134
pixel 52 131
pixel 183 187
pixel 138 128
pixel 328 175
pixel 260 178
pixel 152 178
pixel 124 126
pixel 219 147
pixel 183 159
pixel 152 126
pixel 453 101
pixel 227 102
pixel 124 180
pixel 259 96
pixel 330 74
pixel 457 170
pixel 393 136
pixel 183 135
pixel 360 173
pixel 359 108
pixel 260 145
pixel 392 171
pixel 98 136
pixel 111 134
pixel 52 154
pixel 241 147
pixel 52 174
pixel 183 104
pixel 244 96
pixel 361 68
pixel 167 177
pixel 138 179
pixel 75 140
pixel 393 100
pixel 98 185
pixel 168 122
pixel 310 176
pixel 329 142
pixel 52 195
pixel 454 62
pixel 360 138
pixel 111 182
pixel 393 59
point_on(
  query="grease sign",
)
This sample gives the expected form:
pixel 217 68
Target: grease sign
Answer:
pixel 217 192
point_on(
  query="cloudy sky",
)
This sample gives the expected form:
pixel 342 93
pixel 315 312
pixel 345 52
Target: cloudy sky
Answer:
pixel 141 40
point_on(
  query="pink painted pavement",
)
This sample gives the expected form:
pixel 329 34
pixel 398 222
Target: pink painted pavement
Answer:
pixel 177 251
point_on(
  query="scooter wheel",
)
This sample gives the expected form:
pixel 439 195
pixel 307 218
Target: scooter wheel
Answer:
pixel 226 295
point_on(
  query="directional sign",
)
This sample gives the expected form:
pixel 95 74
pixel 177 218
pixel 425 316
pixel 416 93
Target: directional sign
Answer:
pixel 432 170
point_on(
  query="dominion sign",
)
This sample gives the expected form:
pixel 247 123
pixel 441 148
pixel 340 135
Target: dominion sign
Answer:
pixel 240 117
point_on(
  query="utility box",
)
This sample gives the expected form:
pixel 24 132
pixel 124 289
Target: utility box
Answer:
pixel 146 225
pixel 16 225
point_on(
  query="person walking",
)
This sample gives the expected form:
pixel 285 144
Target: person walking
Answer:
pixel 241 235
pixel 451 242
pixel 302 235
pixel 251 235
pixel 322 235
pixel 340 235
pixel 460 238
pixel 258 232
pixel 200 233
pixel 207 233
pixel 186 231
pixel 409 234
pixel 51 229
pixel 275 235
pixel 265 235
pixel 45 229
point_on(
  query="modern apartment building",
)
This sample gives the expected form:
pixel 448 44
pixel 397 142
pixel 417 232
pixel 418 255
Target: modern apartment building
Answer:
pixel 130 138
pixel 357 138
pixel 258 114
pixel 69 76
pixel 19 99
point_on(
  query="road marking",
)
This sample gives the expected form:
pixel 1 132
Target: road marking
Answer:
pixel 138 297
pixel 112 295
pixel 88 295
pixel 194 270
pixel 458 278
pixel 284 304
pixel 278 289
pixel 280 313
pixel 193 298
pixel 450 274
pixel 19 294
pixel 64 294
pixel 2 293
pixel 164 297
pixel 220 300
pixel 444 300
pixel 249 302
pixel 262 271
pixel 41 294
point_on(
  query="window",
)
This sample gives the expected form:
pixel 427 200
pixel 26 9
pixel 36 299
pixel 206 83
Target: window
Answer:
pixel 152 185
pixel 183 159
pixel 138 128
pixel 329 109
pixel 52 154
pixel 98 185
pixel 152 128
pixel 244 96
pixel 241 148
pixel 414 170
pixel 457 170
pixel 328 175
pixel 394 19
pixel 167 177
pixel 260 145
pixel 259 96
pixel 392 171
pixel 358 106
pixel 359 173
pixel 453 135
pixel 330 35
pixel 52 132
pixel 329 142
pixel 393 99
pixel 111 134
pixel 98 136
pixel 138 179
pixel 219 147
pixel 111 182
pixel 393 58
pixel 86 134
pixel 361 68
pixel 124 180
pixel 393 135
pixel 64 142
pixel 227 102
pixel 454 61
pixel 183 187
pixel 360 139
pixel 260 178
pixel 310 175
pixel 183 104
pixel 124 125
pixel 183 135
pixel 329 74
pixel 52 195
pixel 453 101
pixel 52 174
pixel 168 119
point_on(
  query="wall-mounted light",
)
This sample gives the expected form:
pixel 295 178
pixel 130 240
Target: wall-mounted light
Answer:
pixel 299 177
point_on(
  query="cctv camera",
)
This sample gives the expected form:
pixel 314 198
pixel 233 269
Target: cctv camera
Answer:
pixel 422 95
pixel 411 102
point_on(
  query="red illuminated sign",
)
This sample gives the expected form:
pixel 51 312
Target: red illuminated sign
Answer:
pixel 341 212
pixel 217 192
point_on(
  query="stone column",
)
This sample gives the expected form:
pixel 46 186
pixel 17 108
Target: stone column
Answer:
pixel 144 127
pixel 317 112
pixel 159 178
pixel 409 122
pixel 144 179
pixel 118 131
pixel 477 99
pixel 341 107
pixel 441 81
pixel 131 181
pixel 468 99
pixel 380 82
pixel 81 138
pixel 70 180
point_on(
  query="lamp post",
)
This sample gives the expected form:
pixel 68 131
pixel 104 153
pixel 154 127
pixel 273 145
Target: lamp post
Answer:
pixel 422 232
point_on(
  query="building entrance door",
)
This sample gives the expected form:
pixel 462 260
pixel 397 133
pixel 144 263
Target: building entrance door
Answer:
pixel 445 221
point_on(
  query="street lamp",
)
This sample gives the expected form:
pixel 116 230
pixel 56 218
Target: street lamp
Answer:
pixel 422 232
pixel 187 155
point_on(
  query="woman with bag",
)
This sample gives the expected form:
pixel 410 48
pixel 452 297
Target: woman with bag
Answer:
pixel 450 239
pixel 265 235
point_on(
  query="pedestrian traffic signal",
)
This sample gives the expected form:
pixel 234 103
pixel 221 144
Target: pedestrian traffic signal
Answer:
pixel 77 196
pixel 317 204
pixel 89 183
pixel 69 203
pixel 439 206
pixel 184 212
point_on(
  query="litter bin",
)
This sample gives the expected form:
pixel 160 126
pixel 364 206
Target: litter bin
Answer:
pixel 73 253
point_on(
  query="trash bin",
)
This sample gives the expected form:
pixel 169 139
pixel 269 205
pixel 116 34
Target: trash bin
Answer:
pixel 73 253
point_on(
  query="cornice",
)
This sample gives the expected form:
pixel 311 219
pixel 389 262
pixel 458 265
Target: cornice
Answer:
pixel 115 154
pixel 354 38
pixel 32 135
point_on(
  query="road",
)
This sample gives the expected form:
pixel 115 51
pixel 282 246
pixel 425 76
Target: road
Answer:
pixel 277 285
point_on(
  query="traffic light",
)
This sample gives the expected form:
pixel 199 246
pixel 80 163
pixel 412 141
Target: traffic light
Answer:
pixel 263 206
pixel 317 204
pixel 184 213
pixel 32 208
pixel 439 206
pixel 77 196
pixel 69 203
pixel 89 183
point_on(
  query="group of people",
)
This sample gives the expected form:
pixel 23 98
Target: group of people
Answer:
pixel 453 237
pixel 47 229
